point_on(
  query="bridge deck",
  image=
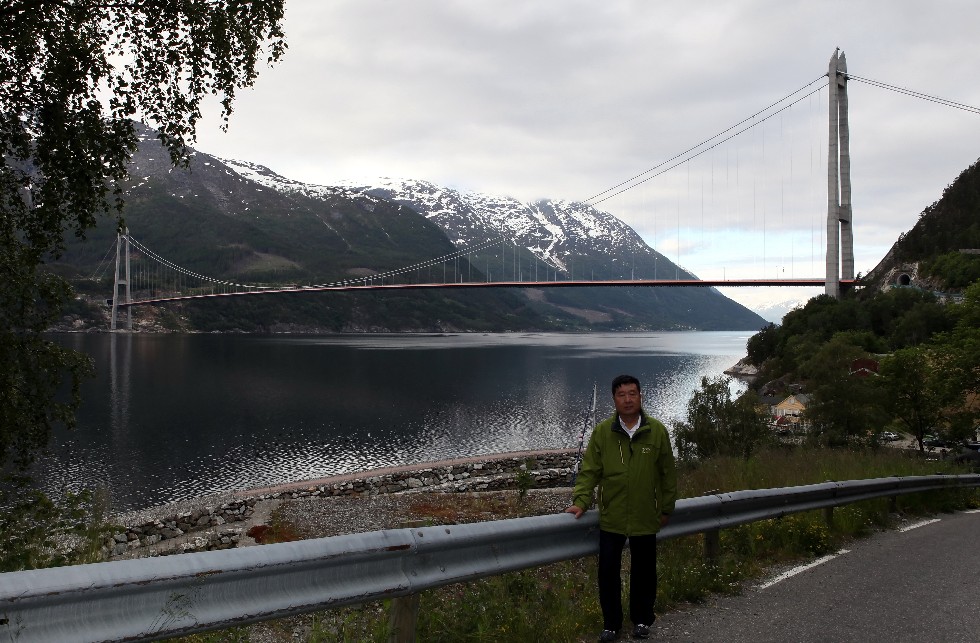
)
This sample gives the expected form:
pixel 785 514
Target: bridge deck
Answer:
pixel 620 283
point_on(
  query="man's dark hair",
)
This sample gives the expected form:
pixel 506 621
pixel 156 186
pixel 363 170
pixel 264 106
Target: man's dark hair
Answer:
pixel 624 379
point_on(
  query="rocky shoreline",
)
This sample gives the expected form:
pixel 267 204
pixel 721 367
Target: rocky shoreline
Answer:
pixel 743 369
pixel 223 522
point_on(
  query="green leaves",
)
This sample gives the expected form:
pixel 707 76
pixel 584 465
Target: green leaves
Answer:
pixel 41 533
pixel 716 424
pixel 81 70
pixel 74 74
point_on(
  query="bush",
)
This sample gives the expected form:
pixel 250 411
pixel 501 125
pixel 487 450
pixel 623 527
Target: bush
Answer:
pixel 37 531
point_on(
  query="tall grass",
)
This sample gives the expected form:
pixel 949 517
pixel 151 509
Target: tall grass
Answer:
pixel 559 602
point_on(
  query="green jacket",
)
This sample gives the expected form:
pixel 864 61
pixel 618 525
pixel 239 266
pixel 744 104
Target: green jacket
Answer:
pixel 636 478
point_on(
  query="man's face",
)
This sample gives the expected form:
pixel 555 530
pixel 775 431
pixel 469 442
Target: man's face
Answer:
pixel 627 400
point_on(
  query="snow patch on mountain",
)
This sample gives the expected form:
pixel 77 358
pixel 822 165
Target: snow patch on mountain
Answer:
pixel 553 230
pixel 776 310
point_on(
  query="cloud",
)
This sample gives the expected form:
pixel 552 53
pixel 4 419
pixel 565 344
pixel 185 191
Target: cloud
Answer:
pixel 567 99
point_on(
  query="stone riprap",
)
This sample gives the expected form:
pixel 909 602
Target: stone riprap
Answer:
pixel 213 527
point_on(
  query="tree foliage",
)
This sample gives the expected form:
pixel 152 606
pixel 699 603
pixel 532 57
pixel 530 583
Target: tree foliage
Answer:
pixel 951 223
pixel 842 408
pixel 74 78
pixel 955 269
pixel 957 355
pixel 913 391
pixel 717 424
pixel 929 352
pixel 899 318
pixel 763 344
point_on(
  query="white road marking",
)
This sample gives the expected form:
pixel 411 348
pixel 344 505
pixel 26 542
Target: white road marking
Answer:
pixel 801 568
pixel 972 511
pixel 918 524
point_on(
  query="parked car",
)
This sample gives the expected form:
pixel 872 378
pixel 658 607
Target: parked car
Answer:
pixel 890 437
pixel 933 441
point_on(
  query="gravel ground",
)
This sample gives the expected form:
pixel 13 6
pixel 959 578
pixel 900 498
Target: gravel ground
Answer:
pixel 320 517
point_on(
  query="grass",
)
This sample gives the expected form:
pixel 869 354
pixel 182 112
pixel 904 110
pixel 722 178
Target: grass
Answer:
pixel 559 602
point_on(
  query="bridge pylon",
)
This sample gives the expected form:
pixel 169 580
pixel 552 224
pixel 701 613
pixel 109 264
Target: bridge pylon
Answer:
pixel 121 279
pixel 840 234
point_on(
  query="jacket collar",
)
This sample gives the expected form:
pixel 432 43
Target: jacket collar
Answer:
pixel 618 427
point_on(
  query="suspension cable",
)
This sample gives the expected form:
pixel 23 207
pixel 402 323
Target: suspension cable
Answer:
pixel 593 199
pixel 910 92
pixel 423 264
pixel 677 160
pixel 103 265
pixel 417 266
pixel 184 271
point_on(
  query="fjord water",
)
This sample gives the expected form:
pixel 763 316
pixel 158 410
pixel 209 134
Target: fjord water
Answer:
pixel 172 417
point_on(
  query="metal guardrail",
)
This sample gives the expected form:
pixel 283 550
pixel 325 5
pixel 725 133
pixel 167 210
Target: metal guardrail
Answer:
pixel 153 598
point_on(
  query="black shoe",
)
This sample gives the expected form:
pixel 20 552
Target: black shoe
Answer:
pixel 641 631
pixel 609 635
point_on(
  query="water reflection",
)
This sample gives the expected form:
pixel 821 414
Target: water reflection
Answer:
pixel 173 417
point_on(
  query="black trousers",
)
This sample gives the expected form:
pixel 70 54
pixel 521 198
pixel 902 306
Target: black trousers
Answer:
pixel 643 578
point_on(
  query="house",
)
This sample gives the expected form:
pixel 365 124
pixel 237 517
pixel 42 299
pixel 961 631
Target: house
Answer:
pixel 864 367
pixel 790 410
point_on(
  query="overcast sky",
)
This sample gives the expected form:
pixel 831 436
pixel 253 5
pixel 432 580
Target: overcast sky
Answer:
pixel 563 99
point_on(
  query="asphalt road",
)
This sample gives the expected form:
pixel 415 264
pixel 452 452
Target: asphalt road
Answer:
pixel 921 584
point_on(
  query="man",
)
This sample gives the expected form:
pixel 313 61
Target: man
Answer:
pixel 631 461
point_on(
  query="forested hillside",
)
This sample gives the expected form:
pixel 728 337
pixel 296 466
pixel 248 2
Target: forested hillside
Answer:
pixel 942 251
pixel 951 223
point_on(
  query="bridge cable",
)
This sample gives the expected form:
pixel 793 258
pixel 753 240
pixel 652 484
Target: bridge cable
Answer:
pixel 662 169
pixel 422 264
pixel 910 92
pixel 103 265
pixel 190 273
pixel 591 199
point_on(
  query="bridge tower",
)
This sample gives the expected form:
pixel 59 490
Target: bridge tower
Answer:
pixel 840 235
pixel 121 279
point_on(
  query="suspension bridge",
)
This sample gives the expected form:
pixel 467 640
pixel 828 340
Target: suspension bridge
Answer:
pixel 144 278
pixel 156 281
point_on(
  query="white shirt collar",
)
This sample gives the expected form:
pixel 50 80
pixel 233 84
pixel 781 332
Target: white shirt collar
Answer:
pixel 630 430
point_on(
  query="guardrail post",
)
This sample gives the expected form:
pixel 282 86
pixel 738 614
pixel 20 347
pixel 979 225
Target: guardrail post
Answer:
pixel 404 609
pixel 712 545
pixel 404 616
pixel 828 517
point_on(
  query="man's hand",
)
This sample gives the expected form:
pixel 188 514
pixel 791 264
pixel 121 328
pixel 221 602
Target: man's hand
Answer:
pixel 664 519
pixel 575 509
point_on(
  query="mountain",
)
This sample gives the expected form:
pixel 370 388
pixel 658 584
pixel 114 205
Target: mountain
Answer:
pixel 212 221
pixel 240 221
pixel 776 310
pixel 568 240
